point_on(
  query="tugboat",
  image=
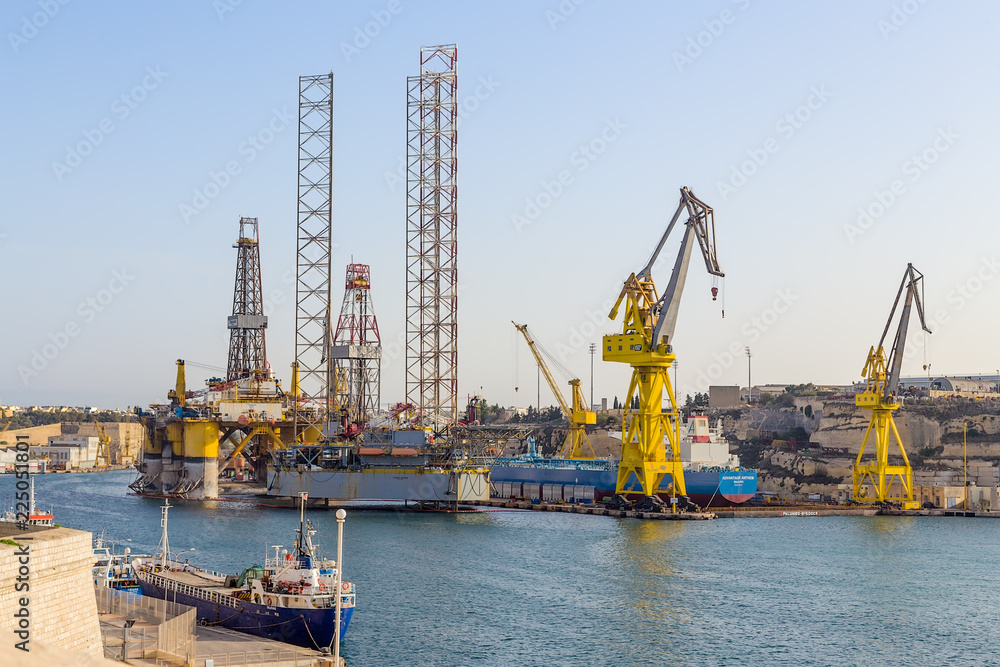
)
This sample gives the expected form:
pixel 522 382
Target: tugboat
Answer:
pixel 293 598
pixel 31 516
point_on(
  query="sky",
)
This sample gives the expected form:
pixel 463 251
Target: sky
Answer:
pixel 836 142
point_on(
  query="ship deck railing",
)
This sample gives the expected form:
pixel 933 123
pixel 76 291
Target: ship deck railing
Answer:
pixel 204 593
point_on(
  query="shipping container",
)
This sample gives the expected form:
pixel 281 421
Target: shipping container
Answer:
pixel 531 490
pixel 515 489
pixel 552 493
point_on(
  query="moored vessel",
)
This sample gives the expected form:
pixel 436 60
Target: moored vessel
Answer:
pixel 25 512
pixel 293 598
pixel 712 475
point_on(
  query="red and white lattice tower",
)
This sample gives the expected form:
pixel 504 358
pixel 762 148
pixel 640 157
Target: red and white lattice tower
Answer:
pixel 431 237
pixel 357 350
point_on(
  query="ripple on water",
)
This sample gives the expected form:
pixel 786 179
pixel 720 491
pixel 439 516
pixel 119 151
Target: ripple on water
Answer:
pixel 527 588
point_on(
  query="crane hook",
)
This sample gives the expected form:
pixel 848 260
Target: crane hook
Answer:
pixel 715 293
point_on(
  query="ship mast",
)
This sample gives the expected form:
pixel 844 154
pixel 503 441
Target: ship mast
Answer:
pixel 164 546
pixel 303 542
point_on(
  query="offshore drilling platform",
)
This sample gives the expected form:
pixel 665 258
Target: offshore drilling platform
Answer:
pixel 325 436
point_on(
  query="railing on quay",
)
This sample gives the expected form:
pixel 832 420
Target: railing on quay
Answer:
pixel 174 623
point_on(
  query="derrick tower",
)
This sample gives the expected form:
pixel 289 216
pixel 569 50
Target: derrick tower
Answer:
pixel 311 370
pixel 247 353
pixel 431 237
pixel 357 350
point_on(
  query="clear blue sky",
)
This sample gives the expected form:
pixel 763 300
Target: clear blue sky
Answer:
pixel 832 100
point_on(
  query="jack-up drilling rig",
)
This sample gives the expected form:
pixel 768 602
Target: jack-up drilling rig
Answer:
pixel 873 481
pixel 576 445
pixel 646 344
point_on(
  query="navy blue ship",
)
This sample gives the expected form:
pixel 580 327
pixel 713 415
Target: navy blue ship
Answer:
pixel 712 475
pixel 292 598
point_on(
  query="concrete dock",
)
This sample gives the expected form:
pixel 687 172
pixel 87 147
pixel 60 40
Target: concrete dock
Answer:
pixel 217 646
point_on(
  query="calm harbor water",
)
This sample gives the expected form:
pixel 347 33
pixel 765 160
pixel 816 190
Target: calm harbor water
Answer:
pixel 527 588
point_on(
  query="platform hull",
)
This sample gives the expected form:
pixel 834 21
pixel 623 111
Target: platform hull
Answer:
pixel 309 628
pixel 393 484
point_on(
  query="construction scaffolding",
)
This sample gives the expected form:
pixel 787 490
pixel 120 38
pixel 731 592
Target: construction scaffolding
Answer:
pixel 247 352
pixel 312 368
pixel 357 352
pixel 431 237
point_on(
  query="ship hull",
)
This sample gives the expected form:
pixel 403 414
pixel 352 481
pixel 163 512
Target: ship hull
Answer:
pixel 309 628
pixel 707 489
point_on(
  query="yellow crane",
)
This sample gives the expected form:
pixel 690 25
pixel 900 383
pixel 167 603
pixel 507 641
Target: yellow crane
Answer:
pixel 874 481
pixel 646 344
pixel 103 458
pixel 577 444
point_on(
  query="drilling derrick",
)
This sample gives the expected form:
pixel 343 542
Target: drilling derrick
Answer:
pixel 431 237
pixel 646 344
pixel 311 370
pixel 877 481
pixel 356 353
pixel 247 353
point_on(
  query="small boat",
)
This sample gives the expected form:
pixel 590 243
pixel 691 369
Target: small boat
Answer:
pixel 26 513
pixel 293 598
pixel 113 570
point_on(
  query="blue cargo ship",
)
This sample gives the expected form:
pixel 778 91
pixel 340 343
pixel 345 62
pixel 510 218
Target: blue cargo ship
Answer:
pixel 713 477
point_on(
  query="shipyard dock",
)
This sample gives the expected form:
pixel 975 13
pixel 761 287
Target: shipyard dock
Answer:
pixel 596 510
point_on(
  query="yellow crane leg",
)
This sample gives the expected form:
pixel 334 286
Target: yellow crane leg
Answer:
pixel 874 481
pixel 643 451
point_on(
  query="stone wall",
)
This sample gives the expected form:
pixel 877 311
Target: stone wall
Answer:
pixel 61 607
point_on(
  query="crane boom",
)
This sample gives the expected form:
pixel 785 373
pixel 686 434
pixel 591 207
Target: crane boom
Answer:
pixel 577 444
pixel 913 284
pixel 523 328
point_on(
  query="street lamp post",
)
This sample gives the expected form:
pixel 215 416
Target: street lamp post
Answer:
pixel 749 376
pixel 593 349
pixel 341 515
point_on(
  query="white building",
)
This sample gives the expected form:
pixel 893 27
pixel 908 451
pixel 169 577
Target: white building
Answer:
pixel 69 451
